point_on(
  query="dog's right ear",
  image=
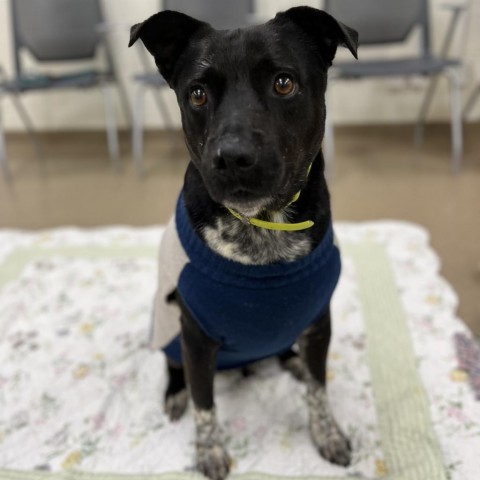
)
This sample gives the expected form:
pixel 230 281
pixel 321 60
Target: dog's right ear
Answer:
pixel 325 31
pixel 165 35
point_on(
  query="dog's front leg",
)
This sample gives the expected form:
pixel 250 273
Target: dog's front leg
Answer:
pixel 326 434
pixel 199 353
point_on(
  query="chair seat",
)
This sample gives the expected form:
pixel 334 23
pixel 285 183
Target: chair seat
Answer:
pixel 398 67
pixel 82 79
pixel 151 79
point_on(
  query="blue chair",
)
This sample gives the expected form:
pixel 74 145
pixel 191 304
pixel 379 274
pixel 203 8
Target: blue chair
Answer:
pixel 383 22
pixel 221 14
pixel 63 31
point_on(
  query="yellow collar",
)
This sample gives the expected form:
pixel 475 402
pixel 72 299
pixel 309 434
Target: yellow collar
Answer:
pixel 285 227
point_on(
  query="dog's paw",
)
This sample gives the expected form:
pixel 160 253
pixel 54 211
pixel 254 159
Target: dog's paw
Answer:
pixel 331 443
pixel 296 367
pixel 176 405
pixel 213 461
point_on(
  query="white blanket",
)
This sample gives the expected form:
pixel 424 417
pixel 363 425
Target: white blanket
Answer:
pixel 81 394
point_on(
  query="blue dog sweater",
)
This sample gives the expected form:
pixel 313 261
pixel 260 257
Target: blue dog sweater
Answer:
pixel 252 311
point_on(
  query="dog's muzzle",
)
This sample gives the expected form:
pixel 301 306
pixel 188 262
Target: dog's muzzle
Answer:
pixel 238 171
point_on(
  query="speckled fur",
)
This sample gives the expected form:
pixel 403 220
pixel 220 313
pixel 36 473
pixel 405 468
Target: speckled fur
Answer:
pixel 176 405
pixel 330 441
pixel 251 245
pixel 296 367
pixel 212 458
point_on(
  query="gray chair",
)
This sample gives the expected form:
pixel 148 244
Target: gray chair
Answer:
pixel 221 14
pixel 66 31
pixel 383 22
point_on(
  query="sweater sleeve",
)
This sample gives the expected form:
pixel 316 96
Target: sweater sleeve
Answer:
pixel 171 261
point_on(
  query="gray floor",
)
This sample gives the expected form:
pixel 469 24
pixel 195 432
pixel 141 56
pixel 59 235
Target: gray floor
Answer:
pixel 379 174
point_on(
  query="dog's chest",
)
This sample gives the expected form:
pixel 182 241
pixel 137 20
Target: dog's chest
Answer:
pixel 251 245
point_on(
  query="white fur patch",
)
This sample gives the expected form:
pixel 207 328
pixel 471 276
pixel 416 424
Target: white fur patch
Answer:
pixel 252 245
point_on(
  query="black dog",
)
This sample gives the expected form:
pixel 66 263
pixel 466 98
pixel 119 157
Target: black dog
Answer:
pixel 248 265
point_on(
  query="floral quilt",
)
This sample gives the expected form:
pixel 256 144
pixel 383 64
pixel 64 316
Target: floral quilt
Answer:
pixel 81 393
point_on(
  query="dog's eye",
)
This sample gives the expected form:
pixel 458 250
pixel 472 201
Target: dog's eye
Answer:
pixel 198 97
pixel 284 85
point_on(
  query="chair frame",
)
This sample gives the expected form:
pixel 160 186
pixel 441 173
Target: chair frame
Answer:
pixel 106 85
pixel 452 75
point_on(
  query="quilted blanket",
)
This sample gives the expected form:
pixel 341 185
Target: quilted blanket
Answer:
pixel 81 393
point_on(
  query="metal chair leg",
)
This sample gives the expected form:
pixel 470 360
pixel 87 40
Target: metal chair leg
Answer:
pixel 424 109
pixel 122 92
pixel 329 138
pixel 456 11
pixel 137 130
pixel 456 119
pixel 29 127
pixel 3 151
pixel 471 101
pixel 114 71
pixel 146 62
pixel 112 131
pixel 162 108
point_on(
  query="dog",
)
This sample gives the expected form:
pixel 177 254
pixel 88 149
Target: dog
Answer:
pixel 248 263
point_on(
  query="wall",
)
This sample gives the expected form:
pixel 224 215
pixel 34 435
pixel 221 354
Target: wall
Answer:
pixel 354 103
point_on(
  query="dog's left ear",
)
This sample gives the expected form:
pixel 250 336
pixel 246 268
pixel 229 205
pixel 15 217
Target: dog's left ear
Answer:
pixel 326 32
pixel 165 35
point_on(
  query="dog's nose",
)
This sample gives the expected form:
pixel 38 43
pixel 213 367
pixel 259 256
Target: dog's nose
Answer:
pixel 232 156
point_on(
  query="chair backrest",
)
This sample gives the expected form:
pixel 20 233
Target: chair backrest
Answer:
pixel 56 30
pixel 383 21
pixel 221 14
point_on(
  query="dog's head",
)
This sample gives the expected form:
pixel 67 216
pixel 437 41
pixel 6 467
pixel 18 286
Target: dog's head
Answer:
pixel 252 99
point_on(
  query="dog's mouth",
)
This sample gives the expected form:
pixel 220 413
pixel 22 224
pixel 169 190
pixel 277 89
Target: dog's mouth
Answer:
pixel 246 202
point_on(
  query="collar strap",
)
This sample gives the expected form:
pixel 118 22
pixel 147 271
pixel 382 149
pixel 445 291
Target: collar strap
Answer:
pixel 279 226
pixel 286 227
